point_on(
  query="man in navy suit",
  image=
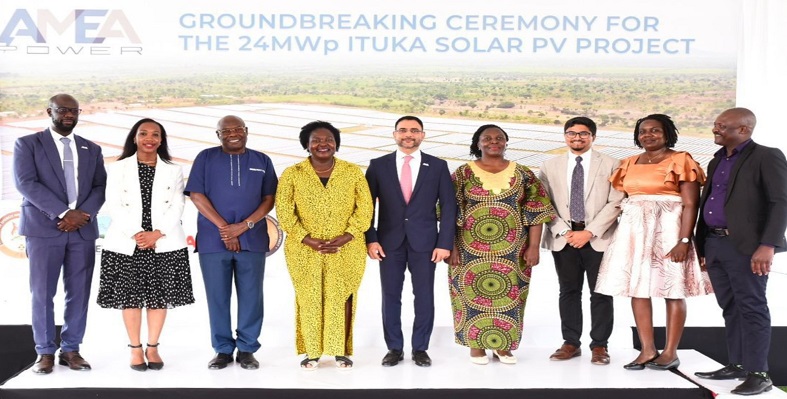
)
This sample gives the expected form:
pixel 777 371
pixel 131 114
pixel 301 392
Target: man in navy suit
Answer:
pixel 415 192
pixel 62 179
pixel 743 216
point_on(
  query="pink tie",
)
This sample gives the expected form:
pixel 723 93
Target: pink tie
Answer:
pixel 406 180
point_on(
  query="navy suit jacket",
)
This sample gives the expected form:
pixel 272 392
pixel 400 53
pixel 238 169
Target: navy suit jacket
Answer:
pixel 39 177
pixel 416 221
pixel 756 203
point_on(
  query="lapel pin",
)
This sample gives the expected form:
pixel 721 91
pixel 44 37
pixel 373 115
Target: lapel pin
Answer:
pixel 425 164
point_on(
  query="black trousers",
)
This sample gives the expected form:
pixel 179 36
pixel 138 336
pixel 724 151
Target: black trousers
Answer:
pixel 741 295
pixel 572 264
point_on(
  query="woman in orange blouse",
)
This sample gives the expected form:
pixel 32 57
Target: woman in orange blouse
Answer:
pixel 652 253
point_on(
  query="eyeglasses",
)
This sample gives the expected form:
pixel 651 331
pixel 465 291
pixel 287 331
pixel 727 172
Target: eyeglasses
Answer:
pixel 653 130
pixel 413 131
pixel 582 134
pixel 65 110
pixel 239 129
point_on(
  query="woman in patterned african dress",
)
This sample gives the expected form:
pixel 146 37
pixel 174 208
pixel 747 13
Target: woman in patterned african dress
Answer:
pixel 502 206
pixel 324 205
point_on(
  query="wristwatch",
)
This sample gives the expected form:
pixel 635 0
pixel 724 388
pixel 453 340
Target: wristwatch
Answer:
pixel 684 240
pixel 249 224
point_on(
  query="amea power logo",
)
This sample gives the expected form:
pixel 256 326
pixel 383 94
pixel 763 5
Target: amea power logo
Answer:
pixel 89 32
pixel 11 243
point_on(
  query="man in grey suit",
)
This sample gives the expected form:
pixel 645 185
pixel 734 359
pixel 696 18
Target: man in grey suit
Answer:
pixel 587 207
pixel 62 179
pixel 743 216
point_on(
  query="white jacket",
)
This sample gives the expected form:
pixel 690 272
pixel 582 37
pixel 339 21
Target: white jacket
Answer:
pixel 124 206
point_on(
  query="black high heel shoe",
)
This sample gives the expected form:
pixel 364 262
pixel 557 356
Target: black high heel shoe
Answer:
pixel 639 366
pixel 138 367
pixel 153 365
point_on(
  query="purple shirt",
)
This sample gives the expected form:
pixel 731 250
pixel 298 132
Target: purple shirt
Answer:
pixel 713 211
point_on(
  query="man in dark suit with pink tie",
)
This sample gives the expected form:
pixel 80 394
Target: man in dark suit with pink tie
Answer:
pixel 414 194
pixel 62 179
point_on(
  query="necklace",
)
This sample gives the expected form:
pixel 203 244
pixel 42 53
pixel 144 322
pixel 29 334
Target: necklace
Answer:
pixel 333 163
pixel 650 159
pixel 153 162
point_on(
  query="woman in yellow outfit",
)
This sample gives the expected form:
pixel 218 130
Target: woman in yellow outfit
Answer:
pixel 324 206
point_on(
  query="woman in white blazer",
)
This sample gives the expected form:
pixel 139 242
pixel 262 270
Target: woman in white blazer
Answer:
pixel 145 260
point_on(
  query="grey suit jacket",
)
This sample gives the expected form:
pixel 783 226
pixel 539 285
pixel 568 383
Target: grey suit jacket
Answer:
pixel 39 177
pixel 602 202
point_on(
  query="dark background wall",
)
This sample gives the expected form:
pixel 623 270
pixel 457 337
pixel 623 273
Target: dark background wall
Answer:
pixel 17 350
pixel 711 342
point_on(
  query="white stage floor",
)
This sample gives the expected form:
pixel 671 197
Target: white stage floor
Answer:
pixel 186 368
pixel 185 346
pixel 279 369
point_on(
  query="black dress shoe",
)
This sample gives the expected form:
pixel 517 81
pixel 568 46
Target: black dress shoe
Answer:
pixel 422 359
pixel 247 361
pixel 220 361
pixel 754 385
pixel 44 364
pixel 73 360
pixel 639 366
pixel 392 358
pixel 728 372
pixel 655 366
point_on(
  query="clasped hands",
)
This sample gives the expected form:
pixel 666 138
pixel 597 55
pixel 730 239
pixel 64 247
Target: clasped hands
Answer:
pixel 327 246
pixel 229 235
pixel 73 220
pixel 147 239
pixel 578 239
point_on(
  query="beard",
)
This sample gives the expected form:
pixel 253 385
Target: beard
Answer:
pixel 60 127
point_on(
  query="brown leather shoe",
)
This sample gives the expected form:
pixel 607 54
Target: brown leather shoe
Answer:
pixel 73 360
pixel 566 352
pixel 44 364
pixel 600 356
